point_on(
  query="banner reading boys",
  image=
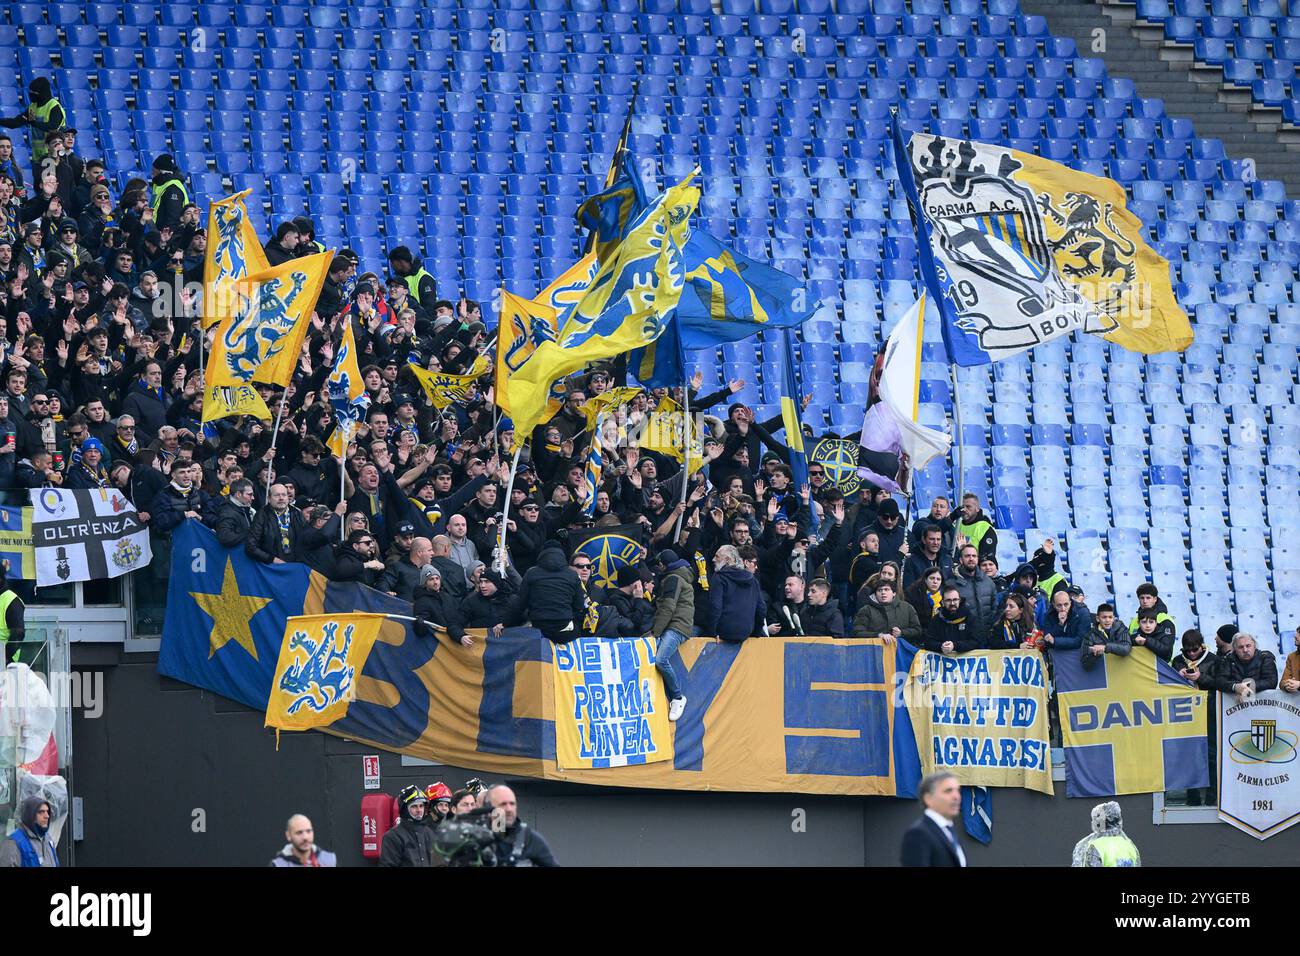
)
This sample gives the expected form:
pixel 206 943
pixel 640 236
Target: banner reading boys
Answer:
pixel 610 709
pixel 982 715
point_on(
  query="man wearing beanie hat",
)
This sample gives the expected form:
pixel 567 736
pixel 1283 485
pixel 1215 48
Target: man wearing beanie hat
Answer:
pixel 889 527
pixel 419 284
pixel 435 607
pixel 627 598
pixel 167 194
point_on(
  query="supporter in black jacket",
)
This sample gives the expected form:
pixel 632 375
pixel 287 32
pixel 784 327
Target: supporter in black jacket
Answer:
pixel 1155 635
pixel 401 576
pixel 736 607
pixel 358 560
pixel 888 527
pixel 952 631
pixel 319 535
pixel 627 597
pixel 525 541
pixel 316 476
pixel 273 536
pixel 435 607
pixel 147 402
pixel 551 597
pixel 490 604
pixel 1246 662
pixel 410 843
pixel 235 515
pixel 822 617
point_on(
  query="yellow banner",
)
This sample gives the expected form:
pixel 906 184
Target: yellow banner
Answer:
pixel 524 326
pixel 317 675
pixel 1100 249
pixel 664 431
pixel 610 706
pixel 983 716
pixel 234 252
pixel 347 393
pixel 625 307
pixel 222 401
pixel 263 341
pixel 444 390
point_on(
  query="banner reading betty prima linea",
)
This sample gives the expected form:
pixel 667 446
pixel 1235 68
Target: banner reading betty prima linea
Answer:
pixel 86 535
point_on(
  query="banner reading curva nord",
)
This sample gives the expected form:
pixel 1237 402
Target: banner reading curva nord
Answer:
pixel 1259 786
pixel 982 715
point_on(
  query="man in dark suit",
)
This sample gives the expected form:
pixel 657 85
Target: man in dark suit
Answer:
pixel 932 840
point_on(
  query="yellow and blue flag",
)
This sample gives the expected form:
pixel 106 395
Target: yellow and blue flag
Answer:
pixel 791 407
pixel 1130 725
pixel 665 433
pixel 347 393
pixel 222 401
pixel 443 389
pixel 320 666
pixel 234 252
pixel 1017 251
pixel 17 552
pixel 592 471
pixel 626 306
pixel 525 324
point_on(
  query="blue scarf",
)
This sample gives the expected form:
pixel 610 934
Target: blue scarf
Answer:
pixel 155 392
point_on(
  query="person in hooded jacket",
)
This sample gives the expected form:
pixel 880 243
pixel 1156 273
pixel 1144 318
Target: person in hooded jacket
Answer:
pixel 1025 583
pixel 410 843
pixel 952 630
pixel 433 606
pixel 44 114
pixel 551 596
pixel 30 844
pixel 882 611
pixel 673 622
pixel 737 609
pixel 357 559
pixel 489 605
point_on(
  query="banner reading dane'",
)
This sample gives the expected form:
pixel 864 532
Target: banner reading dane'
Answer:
pixel 805 715
pixel 1130 725
pixel 86 535
pixel 1259 780
pixel 982 715
pixel 610 706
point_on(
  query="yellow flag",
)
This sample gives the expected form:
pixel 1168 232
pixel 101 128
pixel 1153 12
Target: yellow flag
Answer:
pixel 525 324
pixel 444 390
pixel 625 307
pixel 234 252
pixel 222 401
pixel 597 405
pixel 347 393
pixel 262 341
pixel 663 433
pixel 320 664
pixel 566 290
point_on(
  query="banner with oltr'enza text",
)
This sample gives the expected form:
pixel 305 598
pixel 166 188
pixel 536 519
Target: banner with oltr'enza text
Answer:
pixel 983 716
pixel 86 535
pixel 1259 788
pixel 610 706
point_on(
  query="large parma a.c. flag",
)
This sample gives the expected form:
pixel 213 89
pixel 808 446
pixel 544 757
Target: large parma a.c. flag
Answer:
pixel 86 535
pixel 1130 725
pixel 1018 250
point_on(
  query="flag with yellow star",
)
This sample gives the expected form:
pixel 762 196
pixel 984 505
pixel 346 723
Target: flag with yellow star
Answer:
pixel 225 615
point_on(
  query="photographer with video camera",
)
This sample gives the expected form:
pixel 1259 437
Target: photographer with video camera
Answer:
pixel 517 844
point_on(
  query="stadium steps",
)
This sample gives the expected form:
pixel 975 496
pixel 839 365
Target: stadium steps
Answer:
pixel 1159 71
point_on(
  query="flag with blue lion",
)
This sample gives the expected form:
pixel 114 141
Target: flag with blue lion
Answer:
pixel 320 660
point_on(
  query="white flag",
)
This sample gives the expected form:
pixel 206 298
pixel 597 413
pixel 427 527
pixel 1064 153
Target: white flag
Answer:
pixel 900 386
pixel 1259 790
pixel 86 535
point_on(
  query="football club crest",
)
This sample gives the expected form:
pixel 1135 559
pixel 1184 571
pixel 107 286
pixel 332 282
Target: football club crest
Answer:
pixel 839 458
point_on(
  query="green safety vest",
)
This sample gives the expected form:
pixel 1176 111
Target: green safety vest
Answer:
pixel 413 284
pixel 7 598
pixel 159 191
pixel 974 532
pixel 1049 584
pixel 1116 851
pixel 39 149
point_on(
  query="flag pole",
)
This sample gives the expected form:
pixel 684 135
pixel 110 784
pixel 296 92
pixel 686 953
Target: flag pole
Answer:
pixel 686 456
pixel 343 490
pixel 505 509
pixel 270 465
pixel 961 444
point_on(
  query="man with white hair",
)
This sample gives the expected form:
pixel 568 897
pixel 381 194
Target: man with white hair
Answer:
pixel 1247 669
pixel 301 850
pixel 1107 844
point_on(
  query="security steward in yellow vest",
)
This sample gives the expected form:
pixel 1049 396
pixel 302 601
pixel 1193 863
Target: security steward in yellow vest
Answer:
pixel 13 629
pixel 1107 844
pixel 421 286
pixel 167 195
pixel 44 114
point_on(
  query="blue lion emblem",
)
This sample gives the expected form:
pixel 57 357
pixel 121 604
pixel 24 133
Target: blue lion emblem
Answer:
pixel 230 242
pixel 347 411
pixel 258 332
pixel 318 678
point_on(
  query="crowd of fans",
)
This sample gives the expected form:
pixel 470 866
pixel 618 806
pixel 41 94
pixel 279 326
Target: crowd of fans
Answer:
pixel 102 336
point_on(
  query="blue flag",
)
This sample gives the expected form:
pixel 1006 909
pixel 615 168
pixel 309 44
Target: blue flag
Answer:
pixel 977 813
pixel 791 406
